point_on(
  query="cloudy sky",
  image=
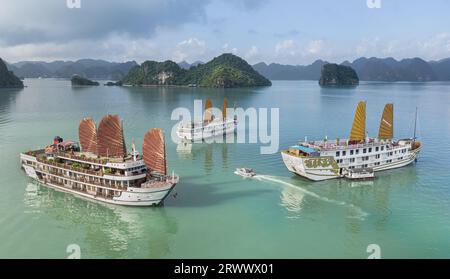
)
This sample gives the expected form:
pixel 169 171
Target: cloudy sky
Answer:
pixel 281 31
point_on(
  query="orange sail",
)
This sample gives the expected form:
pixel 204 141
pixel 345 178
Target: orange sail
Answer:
pixel 154 151
pixel 224 108
pixel 386 130
pixel 358 133
pixel 111 142
pixel 208 113
pixel 87 132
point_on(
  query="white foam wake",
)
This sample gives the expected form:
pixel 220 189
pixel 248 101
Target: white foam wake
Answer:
pixel 361 213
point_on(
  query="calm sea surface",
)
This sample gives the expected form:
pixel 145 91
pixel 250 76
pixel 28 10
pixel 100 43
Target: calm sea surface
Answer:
pixel 217 214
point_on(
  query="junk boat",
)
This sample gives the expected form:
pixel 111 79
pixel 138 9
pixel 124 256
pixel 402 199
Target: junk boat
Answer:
pixel 99 167
pixel 210 127
pixel 322 160
pixel 245 172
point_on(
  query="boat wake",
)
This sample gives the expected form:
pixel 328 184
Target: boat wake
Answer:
pixel 360 214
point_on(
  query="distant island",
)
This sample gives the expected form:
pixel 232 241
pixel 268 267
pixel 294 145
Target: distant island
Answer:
pixel 7 78
pixel 224 71
pixel 333 75
pixel 110 83
pixel 368 69
pixel 80 81
pixel 89 68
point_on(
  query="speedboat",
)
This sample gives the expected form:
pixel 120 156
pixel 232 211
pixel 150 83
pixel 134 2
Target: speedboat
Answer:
pixel 245 172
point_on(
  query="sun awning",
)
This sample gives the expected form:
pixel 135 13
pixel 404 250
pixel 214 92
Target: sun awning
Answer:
pixel 304 149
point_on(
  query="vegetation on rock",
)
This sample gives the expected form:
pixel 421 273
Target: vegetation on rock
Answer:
pixel 224 71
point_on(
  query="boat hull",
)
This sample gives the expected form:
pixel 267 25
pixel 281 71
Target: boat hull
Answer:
pixel 130 197
pixel 209 131
pixel 298 166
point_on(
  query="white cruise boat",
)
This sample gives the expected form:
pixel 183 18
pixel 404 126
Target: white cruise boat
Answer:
pixel 321 160
pixel 101 169
pixel 210 127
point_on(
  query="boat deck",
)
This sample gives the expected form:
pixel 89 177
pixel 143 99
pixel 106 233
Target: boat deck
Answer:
pixel 331 145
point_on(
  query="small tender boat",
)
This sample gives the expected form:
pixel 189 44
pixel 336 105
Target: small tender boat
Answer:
pixel 360 174
pixel 245 172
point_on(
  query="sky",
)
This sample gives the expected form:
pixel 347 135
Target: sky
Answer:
pixel 294 32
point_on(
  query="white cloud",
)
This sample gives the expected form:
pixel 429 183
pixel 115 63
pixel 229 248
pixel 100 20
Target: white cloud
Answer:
pixel 24 21
pixel 226 48
pixel 434 47
pixel 252 52
pixel 315 47
pixel 286 47
pixel 191 50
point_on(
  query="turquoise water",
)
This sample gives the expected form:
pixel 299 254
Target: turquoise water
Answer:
pixel 217 214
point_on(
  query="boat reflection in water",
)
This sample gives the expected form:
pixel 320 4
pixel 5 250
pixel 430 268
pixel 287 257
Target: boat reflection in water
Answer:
pixel 108 231
pixel 190 150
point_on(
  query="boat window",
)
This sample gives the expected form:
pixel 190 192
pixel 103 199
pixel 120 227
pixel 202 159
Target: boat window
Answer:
pixel 370 149
pixel 351 152
pixel 338 153
pixel 382 148
pixel 364 150
pixel 377 149
pixel 352 160
pixel 357 151
pixel 344 153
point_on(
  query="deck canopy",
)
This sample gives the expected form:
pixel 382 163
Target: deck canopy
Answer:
pixel 303 150
pixel 154 151
pixel 386 130
pixel 358 133
pixel 87 132
pixel 111 142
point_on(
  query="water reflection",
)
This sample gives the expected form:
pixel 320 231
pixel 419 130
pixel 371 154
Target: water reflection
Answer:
pixel 189 150
pixel 109 231
pixel 7 100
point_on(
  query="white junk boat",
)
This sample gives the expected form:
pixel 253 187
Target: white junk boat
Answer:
pixel 321 160
pixel 101 169
pixel 210 127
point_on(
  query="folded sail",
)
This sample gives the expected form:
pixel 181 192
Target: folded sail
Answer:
pixel 224 108
pixel 154 151
pixel 208 113
pixel 358 132
pixel 111 141
pixel 386 130
pixel 87 132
